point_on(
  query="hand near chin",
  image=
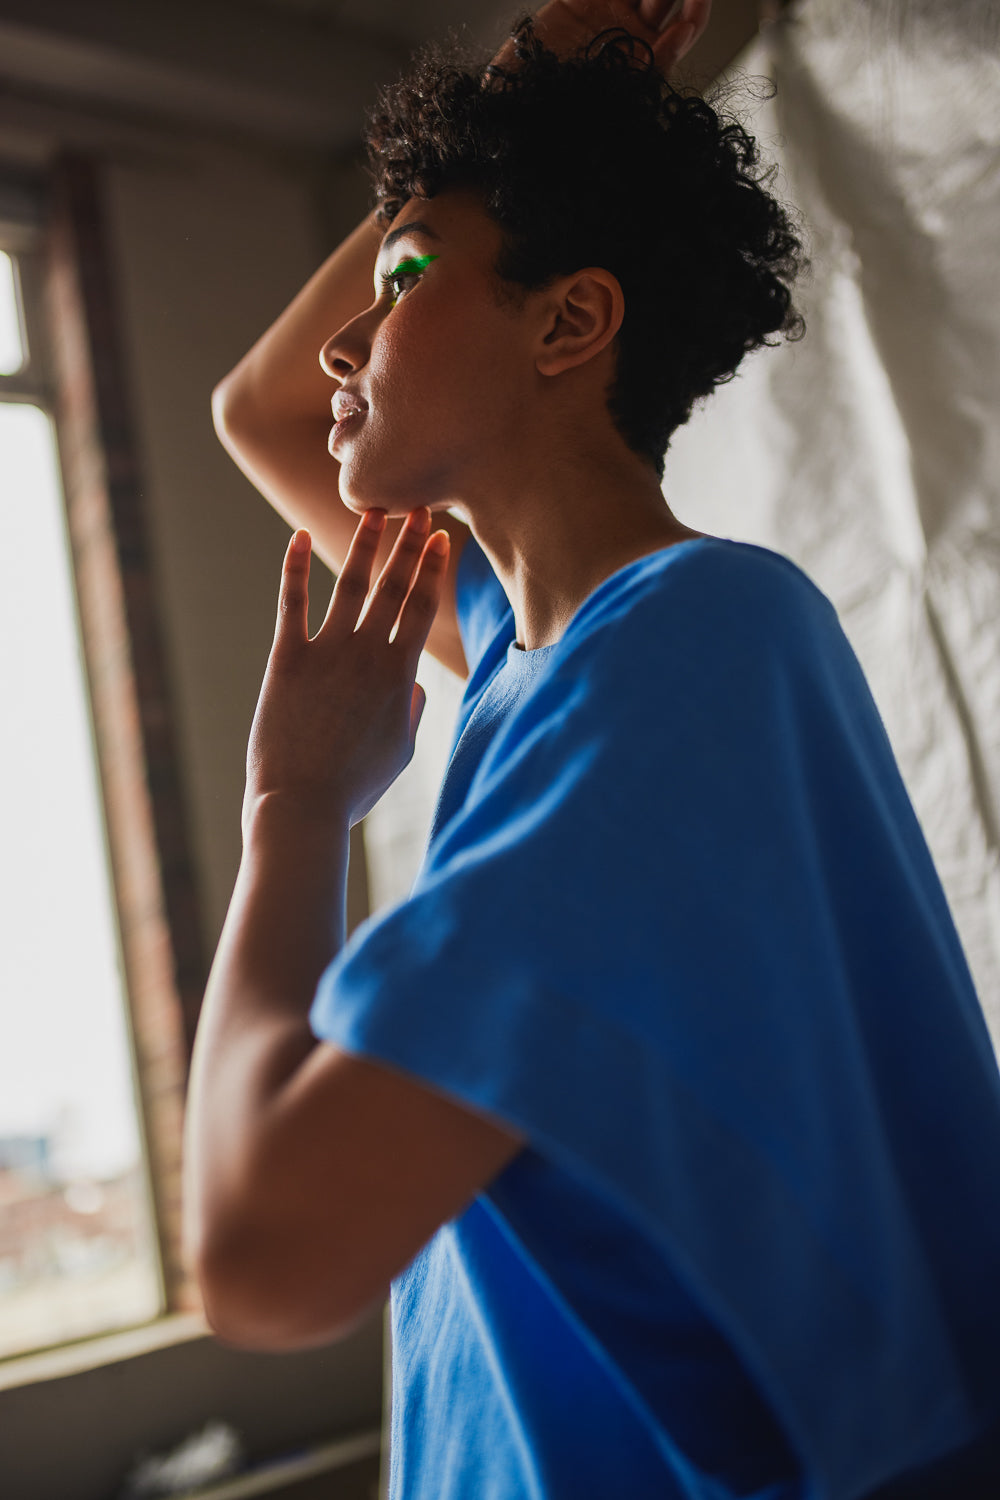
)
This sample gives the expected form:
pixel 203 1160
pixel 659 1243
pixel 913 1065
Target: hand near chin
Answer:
pixel 337 716
pixel 670 27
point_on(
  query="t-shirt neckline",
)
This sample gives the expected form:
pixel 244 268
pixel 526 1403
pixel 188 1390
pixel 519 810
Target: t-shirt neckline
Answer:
pixel 522 656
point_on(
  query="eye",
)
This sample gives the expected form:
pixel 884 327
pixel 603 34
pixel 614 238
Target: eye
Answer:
pixel 405 276
pixel 396 283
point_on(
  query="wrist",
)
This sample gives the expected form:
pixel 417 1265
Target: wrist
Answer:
pixel 287 816
pixel 287 915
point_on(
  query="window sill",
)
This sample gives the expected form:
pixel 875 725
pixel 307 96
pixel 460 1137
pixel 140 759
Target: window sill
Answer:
pixel 103 1349
pixel 74 1420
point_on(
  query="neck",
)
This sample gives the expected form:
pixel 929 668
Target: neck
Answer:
pixel 554 531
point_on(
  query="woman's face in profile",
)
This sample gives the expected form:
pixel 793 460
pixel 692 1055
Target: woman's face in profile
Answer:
pixel 434 378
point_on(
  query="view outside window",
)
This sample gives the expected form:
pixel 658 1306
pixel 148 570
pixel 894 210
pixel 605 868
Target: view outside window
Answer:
pixel 11 351
pixel 77 1253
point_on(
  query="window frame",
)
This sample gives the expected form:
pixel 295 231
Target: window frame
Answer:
pixel 74 372
pixel 152 1377
pixel 32 385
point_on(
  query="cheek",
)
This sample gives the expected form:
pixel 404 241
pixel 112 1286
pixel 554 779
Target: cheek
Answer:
pixel 445 373
pixel 419 333
pixel 424 368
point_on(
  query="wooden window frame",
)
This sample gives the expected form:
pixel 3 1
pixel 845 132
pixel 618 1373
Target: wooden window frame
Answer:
pixel 113 1396
pixel 69 287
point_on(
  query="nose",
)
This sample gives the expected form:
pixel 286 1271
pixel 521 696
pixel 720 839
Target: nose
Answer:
pixel 347 351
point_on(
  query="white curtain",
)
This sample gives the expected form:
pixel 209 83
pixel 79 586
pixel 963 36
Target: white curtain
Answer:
pixel 870 452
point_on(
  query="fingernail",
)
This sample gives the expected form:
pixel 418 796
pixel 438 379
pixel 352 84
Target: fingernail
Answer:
pixel 420 519
pixel 300 541
pixel 374 519
pixel 439 542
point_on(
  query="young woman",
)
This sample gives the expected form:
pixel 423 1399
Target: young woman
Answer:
pixel 664 1103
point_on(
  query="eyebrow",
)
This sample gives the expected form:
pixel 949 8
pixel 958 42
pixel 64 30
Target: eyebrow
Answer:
pixel 415 226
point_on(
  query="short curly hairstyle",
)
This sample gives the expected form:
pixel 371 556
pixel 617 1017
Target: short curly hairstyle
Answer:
pixel 596 160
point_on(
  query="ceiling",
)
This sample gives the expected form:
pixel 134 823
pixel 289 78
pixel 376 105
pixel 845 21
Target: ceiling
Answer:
pixel 410 21
pixel 293 72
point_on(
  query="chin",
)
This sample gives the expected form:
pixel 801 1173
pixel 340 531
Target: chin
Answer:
pixel 362 498
pixel 396 500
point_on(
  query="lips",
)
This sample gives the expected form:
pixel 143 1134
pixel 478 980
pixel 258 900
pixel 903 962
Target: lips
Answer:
pixel 348 411
pixel 346 404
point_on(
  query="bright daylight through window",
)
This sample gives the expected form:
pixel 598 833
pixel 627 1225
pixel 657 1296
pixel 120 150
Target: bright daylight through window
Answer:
pixel 77 1252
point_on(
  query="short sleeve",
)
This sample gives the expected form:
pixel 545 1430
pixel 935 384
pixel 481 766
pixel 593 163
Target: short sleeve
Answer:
pixel 666 937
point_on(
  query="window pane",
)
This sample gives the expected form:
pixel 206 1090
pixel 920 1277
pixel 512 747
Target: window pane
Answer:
pixel 76 1243
pixel 11 352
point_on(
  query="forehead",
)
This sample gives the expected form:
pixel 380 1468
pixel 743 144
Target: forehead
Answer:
pixel 450 218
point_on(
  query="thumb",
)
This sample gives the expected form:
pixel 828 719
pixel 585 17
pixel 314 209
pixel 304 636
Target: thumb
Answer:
pixel 417 705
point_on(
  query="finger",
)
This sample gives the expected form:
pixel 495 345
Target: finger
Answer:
pixel 355 577
pixel 292 625
pixel 393 584
pixel 424 597
pixel 658 13
pixel 680 31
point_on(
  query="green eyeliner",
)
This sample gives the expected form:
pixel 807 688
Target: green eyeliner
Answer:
pixel 412 266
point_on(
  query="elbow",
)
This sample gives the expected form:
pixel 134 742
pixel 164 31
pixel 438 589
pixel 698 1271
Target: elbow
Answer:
pixel 228 404
pixel 219 1265
pixel 255 1299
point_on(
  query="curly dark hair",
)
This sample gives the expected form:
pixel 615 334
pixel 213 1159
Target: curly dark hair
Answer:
pixel 597 160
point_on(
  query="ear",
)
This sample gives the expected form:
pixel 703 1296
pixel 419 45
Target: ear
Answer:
pixel 583 312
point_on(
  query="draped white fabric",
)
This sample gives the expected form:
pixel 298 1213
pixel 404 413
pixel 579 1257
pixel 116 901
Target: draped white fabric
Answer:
pixel 870 451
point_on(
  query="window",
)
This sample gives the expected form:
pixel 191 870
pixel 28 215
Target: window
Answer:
pixel 145 1389
pixel 78 1247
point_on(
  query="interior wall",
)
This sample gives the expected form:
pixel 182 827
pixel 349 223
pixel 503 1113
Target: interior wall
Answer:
pixel 211 245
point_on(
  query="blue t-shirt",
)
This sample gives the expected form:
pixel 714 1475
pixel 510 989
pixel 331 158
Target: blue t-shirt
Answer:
pixel 678 926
